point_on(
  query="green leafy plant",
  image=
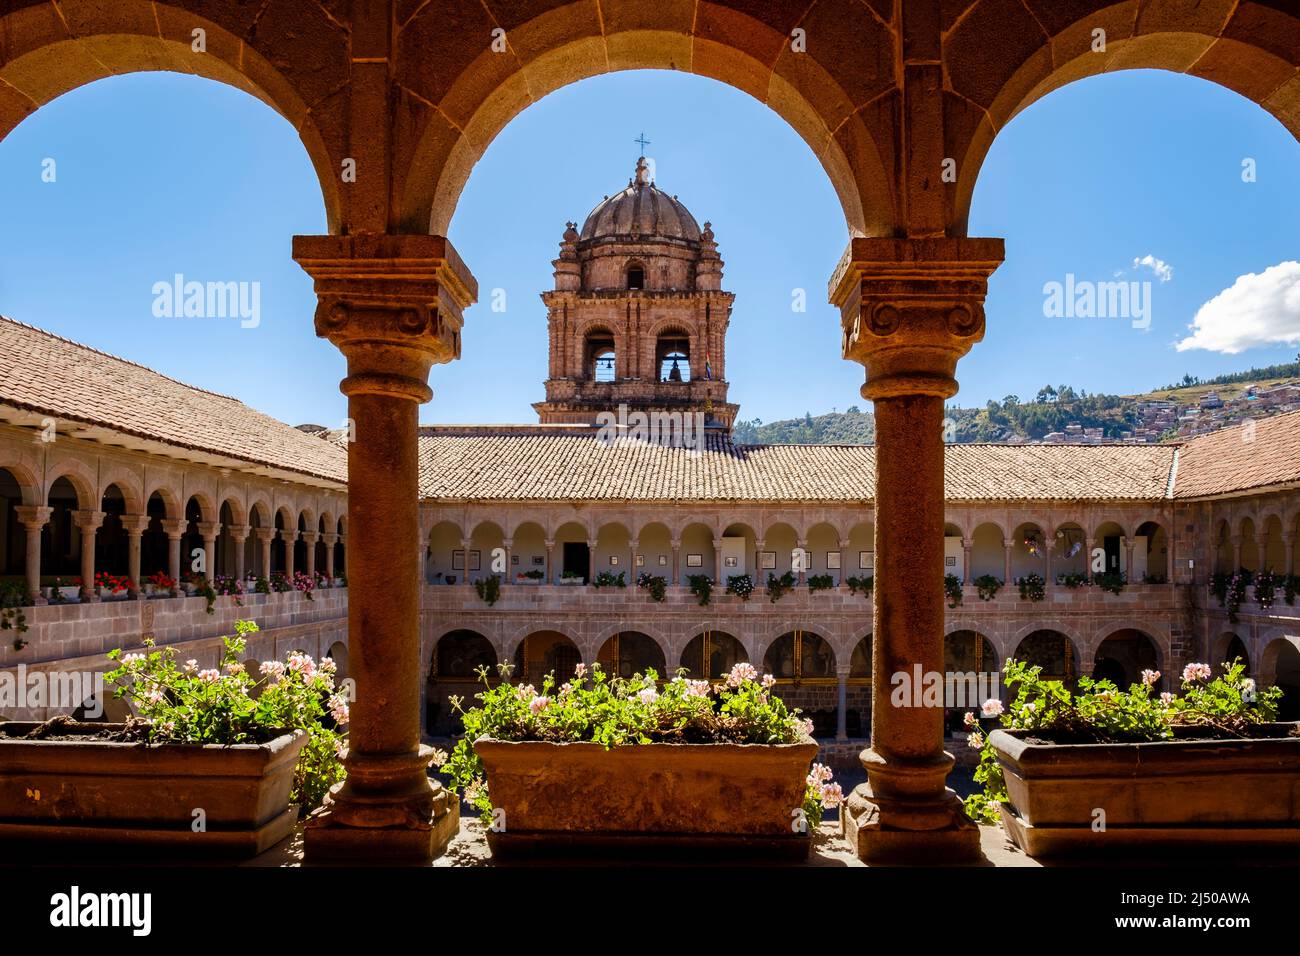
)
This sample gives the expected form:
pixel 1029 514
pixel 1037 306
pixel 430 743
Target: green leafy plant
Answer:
pixel 263 586
pixel 14 596
pixel 608 579
pixel 488 589
pixel 1266 583
pixel 779 587
pixel 653 584
pixel 622 712
pixel 534 575
pixel 187 704
pixel 952 589
pixel 280 582
pixel 1032 587
pixel 1227 706
pixel 864 585
pixel 1073 580
pixel 701 587
pixel 1110 581
pixel 203 588
pixel 820 582
pixel 987 586
pixel 1230 590
pixel 741 585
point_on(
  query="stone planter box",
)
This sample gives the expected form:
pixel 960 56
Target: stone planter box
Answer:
pixel 649 799
pixel 1175 793
pixel 108 594
pixel 572 582
pixel 70 593
pixel 96 793
pixel 521 579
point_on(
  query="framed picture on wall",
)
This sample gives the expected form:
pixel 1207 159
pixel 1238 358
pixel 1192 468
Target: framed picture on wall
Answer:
pixel 695 560
pixel 832 560
pixel 539 559
pixel 949 561
pixel 514 559
pixel 458 560
pixel 663 560
pixel 731 562
pixel 766 560
pixel 475 559
pixel 613 560
pixel 866 560
pixel 640 560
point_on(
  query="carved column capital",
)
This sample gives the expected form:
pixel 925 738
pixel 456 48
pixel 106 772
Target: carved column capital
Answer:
pixel 34 516
pixel 264 534
pixel 910 308
pixel 391 303
pixel 174 527
pixel 309 537
pixel 208 530
pixel 88 520
pixel 135 524
pixel 239 532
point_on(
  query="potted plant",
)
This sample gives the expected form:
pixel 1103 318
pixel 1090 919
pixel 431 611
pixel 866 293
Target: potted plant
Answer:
pixel 160 584
pixel 572 766
pixel 1072 772
pixel 1032 587
pixel 1110 581
pixel 570 578
pixel 820 582
pixel 987 586
pixel 867 585
pixel 779 587
pixel 110 587
pixel 653 584
pixel 701 587
pixel 241 752
pixel 488 589
pixel 952 589
pixel 608 579
pixel 533 576
pixel 304 584
pixel 741 585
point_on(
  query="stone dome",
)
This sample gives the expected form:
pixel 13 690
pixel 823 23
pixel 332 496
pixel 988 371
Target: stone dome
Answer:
pixel 641 210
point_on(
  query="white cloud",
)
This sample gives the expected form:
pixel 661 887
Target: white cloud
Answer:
pixel 1256 310
pixel 1163 270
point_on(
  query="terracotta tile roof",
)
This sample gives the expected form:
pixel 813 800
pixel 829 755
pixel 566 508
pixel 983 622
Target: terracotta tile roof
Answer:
pixel 1231 459
pixel 54 376
pixel 490 464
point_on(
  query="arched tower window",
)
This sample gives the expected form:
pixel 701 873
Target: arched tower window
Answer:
pixel 635 277
pixel 673 357
pixel 600 361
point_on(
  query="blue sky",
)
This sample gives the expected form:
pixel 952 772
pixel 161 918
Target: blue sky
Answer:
pixel 158 174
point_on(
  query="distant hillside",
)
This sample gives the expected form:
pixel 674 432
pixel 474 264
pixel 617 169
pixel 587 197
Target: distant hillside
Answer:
pixel 1052 409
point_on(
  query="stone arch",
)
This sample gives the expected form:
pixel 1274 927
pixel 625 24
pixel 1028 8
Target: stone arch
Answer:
pixel 79 476
pixel 49 54
pixel 1226 647
pixel 710 653
pixel 233 501
pixel 542 650
pixel 1248 47
pixel 1035 644
pixel 128 486
pixel 1279 666
pixel 25 478
pixel 1120 654
pixel 833 103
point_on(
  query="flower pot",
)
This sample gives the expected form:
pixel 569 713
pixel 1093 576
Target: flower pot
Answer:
pixel 97 792
pixel 674 798
pixel 1174 793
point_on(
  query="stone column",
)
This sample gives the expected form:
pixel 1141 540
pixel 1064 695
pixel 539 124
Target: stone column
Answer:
pixel 331 538
pixel 842 714
pixel 1128 545
pixel 1049 545
pixel 844 567
pixel 209 530
pixel 677 562
pixel 632 546
pixel 550 561
pixel 238 537
pixel 1288 539
pixel 175 530
pixel 507 545
pixel 718 580
pixel 1236 554
pixel 392 304
pixel 1007 545
pixel 33 518
pixel 966 545
pixel 264 537
pixel 802 545
pixel 88 522
pixel 309 538
pixel 288 536
pixel 465 544
pixel 591 561
pixel 134 526
pixel 910 309
pixel 1088 545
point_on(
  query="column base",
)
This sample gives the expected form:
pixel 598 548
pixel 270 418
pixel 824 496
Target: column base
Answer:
pixel 955 841
pixel 384 827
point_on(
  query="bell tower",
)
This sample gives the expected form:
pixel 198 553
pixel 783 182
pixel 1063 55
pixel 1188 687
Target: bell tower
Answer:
pixel 637 317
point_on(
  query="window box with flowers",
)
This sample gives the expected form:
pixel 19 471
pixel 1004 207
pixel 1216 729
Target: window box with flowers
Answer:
pixel 110 587
pixel 535 576
pixel 570 766
pixel 1167 769
pixel 250 749
pixel 741 585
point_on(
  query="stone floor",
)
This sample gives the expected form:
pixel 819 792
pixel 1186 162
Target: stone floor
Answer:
pixel 469 848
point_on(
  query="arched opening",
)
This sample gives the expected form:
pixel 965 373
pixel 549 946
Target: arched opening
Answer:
pixel 340 549
pixel 300 546
pixel 1052 651
pixel 1124 655
pixel 673 356
pixel 155 559
pixel 1229 649
pixel 192 547
pixel 1069 553
pixel 1249 546
pixel 1280 667
pixel 225 557
pixel 857 694
pixel 13 535
pixel 711 654
pixel 1274 546
pixel 60 540
pixel 457 661
pixel 631 652
pixel 636 276
pixel 1028 551
pixel 280 552
pixel 972 666
pixel 1109 538
pixel 1150 554
pixel 543 653
pixel 338 653
pixel 803 663
pixel 111 545
pixel 1223 552
pixel 600 360
pixel 988 554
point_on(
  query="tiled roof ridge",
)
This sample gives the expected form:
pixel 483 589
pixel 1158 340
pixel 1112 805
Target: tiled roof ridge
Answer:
pixel 117 358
